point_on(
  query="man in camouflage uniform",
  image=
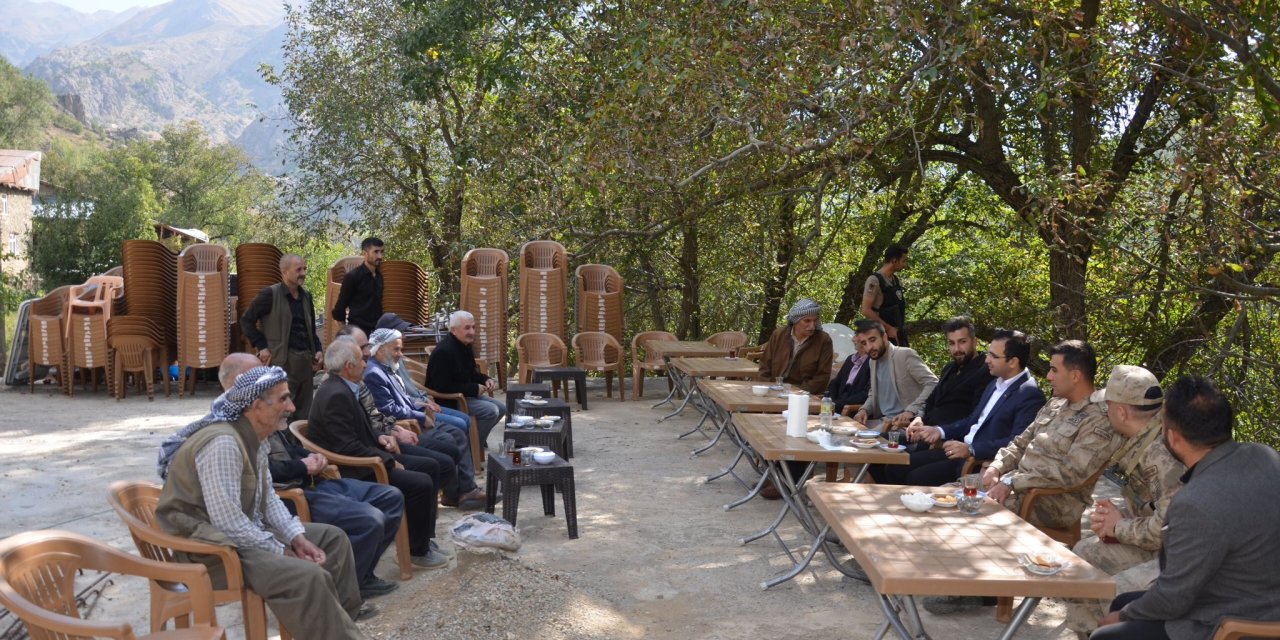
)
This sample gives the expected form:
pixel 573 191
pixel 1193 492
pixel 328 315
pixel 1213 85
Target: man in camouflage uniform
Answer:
pixel 1126 545
pixel 1069 439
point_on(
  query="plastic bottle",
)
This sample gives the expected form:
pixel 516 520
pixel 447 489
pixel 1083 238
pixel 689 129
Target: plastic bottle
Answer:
pixel 824 414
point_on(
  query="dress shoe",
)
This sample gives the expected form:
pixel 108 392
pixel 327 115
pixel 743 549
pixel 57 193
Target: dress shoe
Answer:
pixel 367 610
pixel 375 586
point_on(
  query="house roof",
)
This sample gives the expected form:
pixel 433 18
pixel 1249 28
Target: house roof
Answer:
pixel 20 170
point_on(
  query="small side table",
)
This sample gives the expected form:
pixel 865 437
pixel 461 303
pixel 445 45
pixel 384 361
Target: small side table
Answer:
pixel 552 438
pixel 579 377
pixel 517 391
pixel 549 477
pixel 553 407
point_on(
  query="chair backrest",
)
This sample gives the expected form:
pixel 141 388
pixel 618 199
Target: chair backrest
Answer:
pixel 340 268
pixel 485 262
pixel 598 278
pixel 203 258
pixel 596 349
pixel 728 339
pixel 640 353
pixel 97 289
pixel 135 502
pixel 543 254
pixel 541 349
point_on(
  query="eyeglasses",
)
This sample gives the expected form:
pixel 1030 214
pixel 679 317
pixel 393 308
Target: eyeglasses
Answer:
pixel 996 357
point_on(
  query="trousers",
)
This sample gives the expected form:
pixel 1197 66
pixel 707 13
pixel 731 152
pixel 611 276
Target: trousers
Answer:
pixel 1131 629
pixel 368 512
pixel 302 377
pixel 311 600
pixel 487 412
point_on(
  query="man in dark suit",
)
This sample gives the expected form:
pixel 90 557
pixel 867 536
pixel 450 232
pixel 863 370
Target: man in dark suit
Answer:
pixel 853 383
pixel 1007 406
pixel 339 423
pixel 963 380
pixel 1221 533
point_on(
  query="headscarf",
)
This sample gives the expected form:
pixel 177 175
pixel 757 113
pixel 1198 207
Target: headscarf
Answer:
pixel 228 407
pixel 380 337
pixel 803 308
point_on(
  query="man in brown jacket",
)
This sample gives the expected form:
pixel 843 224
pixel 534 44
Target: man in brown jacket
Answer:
pixel 800 353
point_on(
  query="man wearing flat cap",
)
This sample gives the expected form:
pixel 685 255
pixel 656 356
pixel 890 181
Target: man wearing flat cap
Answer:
pixel 1127 541
pixel 800 353
pixel 218 490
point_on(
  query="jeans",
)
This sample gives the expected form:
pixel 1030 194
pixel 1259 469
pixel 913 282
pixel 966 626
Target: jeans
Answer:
pixel 487 413
pixel 452 427
pixel 368 512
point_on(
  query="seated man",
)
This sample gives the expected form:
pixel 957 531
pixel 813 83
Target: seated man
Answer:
pixel 386 349
pixel 800 353
pixel 1008 404
pixel 1068 441
pixel 210 495
pixel 340 424
pixel 1126 544
pixel 443 416
pixel 851 384
pixel 1221 530
pixel 900 380
pixel 963 380
pixel 452 369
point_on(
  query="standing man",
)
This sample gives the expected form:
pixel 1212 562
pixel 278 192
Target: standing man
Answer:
pixel 883 298
pixel 1008 404
pixel 452 369
pixel 900 380
pixel 963 380
pixel 1221 532
pixel 218 490
pixel 1127 543
pixel 800 353
pixel 287 337
pixel 360 296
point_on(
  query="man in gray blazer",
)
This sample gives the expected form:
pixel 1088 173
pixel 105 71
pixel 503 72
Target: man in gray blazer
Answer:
pixel 1221 556
pixel 900 381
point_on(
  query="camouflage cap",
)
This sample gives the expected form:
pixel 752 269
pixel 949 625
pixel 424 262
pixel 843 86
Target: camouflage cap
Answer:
pixel 1134 386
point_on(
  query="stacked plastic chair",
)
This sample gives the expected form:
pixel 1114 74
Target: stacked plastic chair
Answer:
pixel 257 267
pixel 46 345
pixel 89 306
pixel 151 304
pixel 136 345
pixel 203 311
pixel 600 300
pixel 406 291
pixel 332 286
pixel 544 270
pixel 484 295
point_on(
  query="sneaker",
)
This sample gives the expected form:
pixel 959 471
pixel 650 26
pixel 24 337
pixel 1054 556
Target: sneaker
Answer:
pixel 433 560
pixel 947 605
pixel 367 610
pixel 375 586
pixel 435 546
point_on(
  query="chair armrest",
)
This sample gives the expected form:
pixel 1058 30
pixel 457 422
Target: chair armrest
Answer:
pixel 850 409
pixel 1031 495
pixel 973 463
pixel 461 399
pixel 299 501
pixel 1237 629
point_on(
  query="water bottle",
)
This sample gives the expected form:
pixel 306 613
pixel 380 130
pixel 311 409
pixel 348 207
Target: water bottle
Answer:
pixel 824 414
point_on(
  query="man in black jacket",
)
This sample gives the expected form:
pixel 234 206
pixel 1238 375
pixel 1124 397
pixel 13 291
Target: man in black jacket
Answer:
pixel 360 296
pixel 452 369
pixel 852 384
pixel 339 424
pixel 963 379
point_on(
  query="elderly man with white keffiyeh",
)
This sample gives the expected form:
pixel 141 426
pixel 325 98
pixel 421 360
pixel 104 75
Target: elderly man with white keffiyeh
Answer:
pixel 218 490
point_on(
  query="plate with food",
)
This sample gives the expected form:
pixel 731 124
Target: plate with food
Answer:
pixel 842 430
pixel 865 443
pixel 945 500
pixel 538 402
pixel 1042 564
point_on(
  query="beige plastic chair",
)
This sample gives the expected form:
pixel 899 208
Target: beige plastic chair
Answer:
pixel 301 430
pixel 485 295
pixel 135 345
pixel 1237 629
pixel 37 584
pixel 135 502
pixel 539 350
pixel 46 342
pixel 728 339
pixel 98 294
pixel 642 360
pixel 599 351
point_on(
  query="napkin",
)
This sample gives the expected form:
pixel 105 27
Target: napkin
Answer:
pixel 797 415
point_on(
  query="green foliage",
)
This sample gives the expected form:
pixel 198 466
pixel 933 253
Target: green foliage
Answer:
pixel 26 107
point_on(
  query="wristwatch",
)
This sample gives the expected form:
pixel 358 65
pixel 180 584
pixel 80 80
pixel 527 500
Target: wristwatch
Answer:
pixel 1007 481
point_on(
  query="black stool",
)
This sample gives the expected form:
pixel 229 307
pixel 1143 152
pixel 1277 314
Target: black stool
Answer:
pixel 517 391
pixel 579 377
pixel 551 438
pixel 549 477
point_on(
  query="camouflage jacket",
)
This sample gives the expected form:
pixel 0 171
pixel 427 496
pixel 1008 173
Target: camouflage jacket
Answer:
pixel 1064 445
pixel 1149 476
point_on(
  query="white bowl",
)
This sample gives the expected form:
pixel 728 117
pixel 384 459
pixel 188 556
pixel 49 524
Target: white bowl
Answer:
pixel 918 502
pixel 760 389
pixel 544 457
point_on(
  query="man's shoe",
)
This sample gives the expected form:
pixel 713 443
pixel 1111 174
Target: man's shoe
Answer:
pixel 375 586
pixel 473 500
pixel 435 546
pixel 433 560
pixel 770 492
pixel 367 610
pixel 946 605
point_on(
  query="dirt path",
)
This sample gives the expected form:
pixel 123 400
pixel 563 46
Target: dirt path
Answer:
pixel 657 557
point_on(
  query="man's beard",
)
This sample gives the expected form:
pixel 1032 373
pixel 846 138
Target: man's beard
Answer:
pixel 963 358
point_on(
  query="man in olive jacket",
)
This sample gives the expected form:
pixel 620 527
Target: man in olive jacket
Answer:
pixel 800 353
pixel 287 337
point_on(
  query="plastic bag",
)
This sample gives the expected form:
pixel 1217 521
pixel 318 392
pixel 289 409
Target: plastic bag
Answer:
pixel 485 530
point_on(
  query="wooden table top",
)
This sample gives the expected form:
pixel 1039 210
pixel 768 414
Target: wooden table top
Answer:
pixel 767 434
pixel 735 395
pixel 714 367
pixel 944 552
pixel 686 348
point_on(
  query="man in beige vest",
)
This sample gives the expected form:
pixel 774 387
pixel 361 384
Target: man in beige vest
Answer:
pixel 218 490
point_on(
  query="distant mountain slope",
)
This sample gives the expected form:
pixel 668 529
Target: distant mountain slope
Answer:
pixel 182 60
pixel 32 29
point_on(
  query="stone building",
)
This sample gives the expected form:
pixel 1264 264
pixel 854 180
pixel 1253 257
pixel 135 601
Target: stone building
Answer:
pixel 19 184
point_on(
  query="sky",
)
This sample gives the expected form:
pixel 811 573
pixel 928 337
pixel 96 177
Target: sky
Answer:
pixel 90 6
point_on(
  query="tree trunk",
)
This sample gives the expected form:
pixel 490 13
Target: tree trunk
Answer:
pixel 776 287
pixel 690 323
pixel 653 291
pixel 1069 251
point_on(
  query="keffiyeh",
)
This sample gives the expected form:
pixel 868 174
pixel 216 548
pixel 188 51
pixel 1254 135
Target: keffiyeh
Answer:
pixel 380 337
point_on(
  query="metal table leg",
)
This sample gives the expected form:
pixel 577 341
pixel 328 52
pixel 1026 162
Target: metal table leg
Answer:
pixel 1020 616
pixel 674 376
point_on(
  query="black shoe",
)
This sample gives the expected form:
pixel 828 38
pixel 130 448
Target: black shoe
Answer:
pixel 375 586
pixel 367 610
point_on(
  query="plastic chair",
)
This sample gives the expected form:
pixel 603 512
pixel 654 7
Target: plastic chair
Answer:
pixel 135 346
pixel 301 430
pixel 46 342
pixel 1237 629
pixel 135 502
pixel 600 351
pixel 539 350
pixel 728 339
pixel 98 294
pixel 37 583
pixel 649 362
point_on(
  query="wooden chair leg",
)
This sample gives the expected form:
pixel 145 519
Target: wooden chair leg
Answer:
pixel 1004 610
pixel 402 550
pixel 637 382
pixel 832 469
